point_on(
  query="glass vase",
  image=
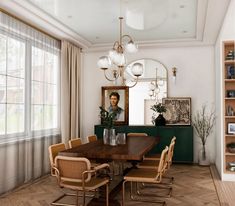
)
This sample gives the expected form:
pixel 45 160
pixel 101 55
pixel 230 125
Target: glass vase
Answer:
pixel 109 136
pixel 203 156
pixel 106 136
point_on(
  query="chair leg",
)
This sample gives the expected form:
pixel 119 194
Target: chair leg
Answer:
pixel 123 193
pixel 158 186
pixel 107 194
pixel 77 198
pixel 84 198
pixel 140 200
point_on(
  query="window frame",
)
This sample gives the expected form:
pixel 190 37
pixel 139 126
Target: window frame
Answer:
pixel 28 132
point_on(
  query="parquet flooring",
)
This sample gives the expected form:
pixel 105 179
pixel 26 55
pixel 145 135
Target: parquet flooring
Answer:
pixel 193 185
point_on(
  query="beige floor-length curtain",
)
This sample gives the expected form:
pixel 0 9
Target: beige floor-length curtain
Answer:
pixel 70 78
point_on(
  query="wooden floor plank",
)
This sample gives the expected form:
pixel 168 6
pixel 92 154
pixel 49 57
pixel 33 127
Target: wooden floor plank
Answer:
pixel 193 185
pixel 225 189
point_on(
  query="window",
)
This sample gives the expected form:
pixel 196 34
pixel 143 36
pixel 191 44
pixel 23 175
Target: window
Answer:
pixel 12 85
pixel 29 86
pixel 44 99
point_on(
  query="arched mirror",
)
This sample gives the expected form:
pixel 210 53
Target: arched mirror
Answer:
pixel 151 88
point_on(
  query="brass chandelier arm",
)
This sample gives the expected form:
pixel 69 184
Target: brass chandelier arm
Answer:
pixel 115 75
pixel 136 81
pixel 115 45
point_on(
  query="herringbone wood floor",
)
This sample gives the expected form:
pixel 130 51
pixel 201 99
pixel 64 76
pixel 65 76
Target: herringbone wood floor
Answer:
pixel 193 185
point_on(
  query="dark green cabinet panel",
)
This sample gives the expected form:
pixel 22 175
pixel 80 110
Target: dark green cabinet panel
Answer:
pixel 184 138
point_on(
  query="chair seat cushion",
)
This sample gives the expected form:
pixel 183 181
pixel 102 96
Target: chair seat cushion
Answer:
pixel 141 175
pixel 94 183
pixel 149 164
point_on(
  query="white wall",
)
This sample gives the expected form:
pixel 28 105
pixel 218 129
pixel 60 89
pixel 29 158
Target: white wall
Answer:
pixel 227 33
pixel 195 79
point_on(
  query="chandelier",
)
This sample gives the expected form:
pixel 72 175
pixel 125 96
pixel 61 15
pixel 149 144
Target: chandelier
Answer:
pixel 116 59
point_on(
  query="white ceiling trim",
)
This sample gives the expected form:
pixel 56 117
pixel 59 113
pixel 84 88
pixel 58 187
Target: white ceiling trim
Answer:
pixel 206 31
pixel 201 18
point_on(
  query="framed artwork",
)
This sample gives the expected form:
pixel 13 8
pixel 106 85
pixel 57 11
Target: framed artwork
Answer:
pixel 231 128
pixel 178 110
pixel 117 98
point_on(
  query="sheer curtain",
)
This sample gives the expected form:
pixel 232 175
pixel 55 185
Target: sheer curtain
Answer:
pixel 70 97
pixel 29 101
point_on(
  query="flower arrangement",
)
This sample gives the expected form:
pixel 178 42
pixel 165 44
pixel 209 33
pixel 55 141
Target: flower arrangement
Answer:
pixel 158 108
pixel 107 118
pixel 203 123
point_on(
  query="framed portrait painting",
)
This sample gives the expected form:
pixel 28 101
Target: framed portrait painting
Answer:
pixel 178 110
pixel 116 98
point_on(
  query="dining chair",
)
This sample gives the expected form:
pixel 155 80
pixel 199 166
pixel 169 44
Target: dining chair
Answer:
pixel 152 164
pixel 53 152
pixel 140 175
pixel 92 138
pixel 75 173
pixel 75 142
pixel 156 156
pixel 136 134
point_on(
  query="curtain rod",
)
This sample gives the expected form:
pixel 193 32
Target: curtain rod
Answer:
pixel 15 17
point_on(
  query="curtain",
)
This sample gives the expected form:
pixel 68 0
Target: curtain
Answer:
pixel 29 101
pixel 70 78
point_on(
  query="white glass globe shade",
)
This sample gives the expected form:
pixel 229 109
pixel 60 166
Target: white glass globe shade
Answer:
pixel 131 47
pixel 152 86
pixel 104 62
pixel 119 59
pixel 137 69
pixel 112 54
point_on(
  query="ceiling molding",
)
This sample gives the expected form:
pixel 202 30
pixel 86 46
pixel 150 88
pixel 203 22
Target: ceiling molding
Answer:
pixel 206 28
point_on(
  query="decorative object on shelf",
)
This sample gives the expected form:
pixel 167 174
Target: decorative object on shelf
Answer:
pixel 117 60
pixel 230 72
pixel 229 111
pixel 116 99
pixel 203 123
pixel 159 108
pixel 107 119
pixel 230 93
pixel 174 74
pixel 231 147
pixel 230 55
pixel 178 110
pixel 231 166
pixel 231 128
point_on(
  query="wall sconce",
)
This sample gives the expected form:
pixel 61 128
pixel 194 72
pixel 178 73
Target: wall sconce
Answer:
pixel 174 74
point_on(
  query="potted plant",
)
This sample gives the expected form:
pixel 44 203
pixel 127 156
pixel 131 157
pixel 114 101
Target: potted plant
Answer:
pixel 160 109
pixel 203 123
pixel 107 120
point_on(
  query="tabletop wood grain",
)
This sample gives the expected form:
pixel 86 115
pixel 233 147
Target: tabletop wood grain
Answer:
pixel 134 149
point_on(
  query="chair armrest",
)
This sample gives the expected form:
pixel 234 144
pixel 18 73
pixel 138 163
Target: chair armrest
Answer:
pixel 102 166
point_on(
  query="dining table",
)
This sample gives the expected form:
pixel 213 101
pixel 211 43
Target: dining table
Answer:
pixel 132 151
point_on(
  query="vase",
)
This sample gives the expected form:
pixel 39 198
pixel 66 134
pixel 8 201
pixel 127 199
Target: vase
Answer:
pixel 109 136
pixel 160 120
pixel 203 156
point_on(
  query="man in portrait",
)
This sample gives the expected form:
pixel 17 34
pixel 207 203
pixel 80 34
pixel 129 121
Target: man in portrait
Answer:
pixel 114 98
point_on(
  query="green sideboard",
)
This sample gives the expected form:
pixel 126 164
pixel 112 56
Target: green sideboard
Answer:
pixel 184 138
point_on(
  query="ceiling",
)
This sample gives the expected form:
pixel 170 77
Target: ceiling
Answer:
pixel 94 24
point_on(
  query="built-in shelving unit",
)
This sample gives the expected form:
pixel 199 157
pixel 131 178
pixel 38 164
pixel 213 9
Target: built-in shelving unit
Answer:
pixel 229 103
